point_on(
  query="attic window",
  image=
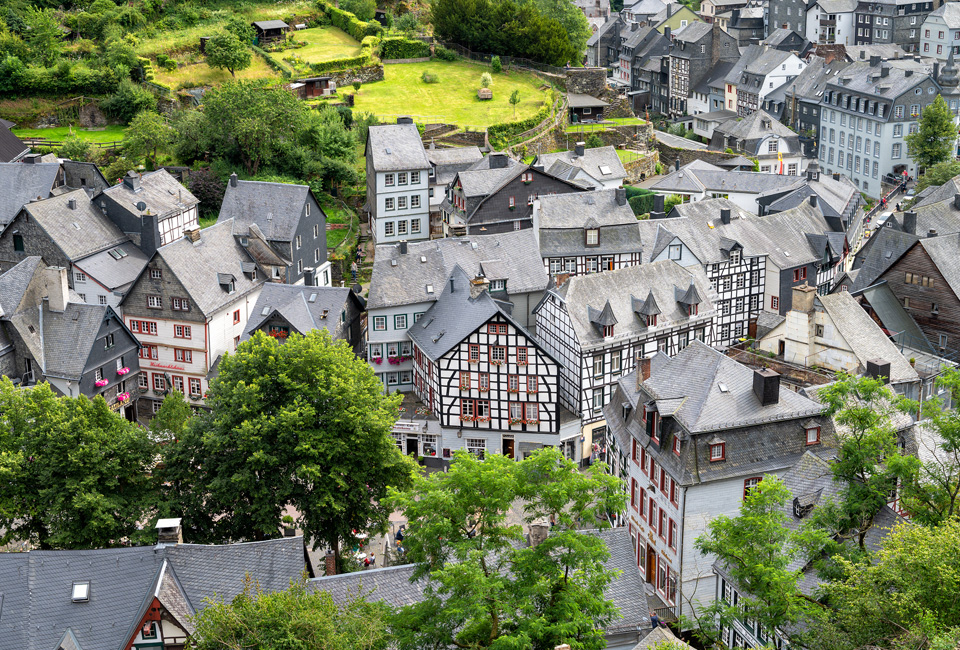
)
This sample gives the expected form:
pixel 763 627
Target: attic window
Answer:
pixel 813 435
pixel 312 298
pixel 81 592
pixel 243 241
pixel 592 236
pixel 718 452
pixel 605 170
pixel 265 311
pixel 439 335
pixel 799 510
pixel 76 225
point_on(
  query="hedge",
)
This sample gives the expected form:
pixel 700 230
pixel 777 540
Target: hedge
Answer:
pixel 18 79
pixel 641 203
pixel 349 22
pixel 403 48
pixel 272 62
pixel 340 64
pixel 500 134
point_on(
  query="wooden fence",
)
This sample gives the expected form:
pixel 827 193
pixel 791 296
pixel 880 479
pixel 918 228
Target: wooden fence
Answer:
pixel 56 144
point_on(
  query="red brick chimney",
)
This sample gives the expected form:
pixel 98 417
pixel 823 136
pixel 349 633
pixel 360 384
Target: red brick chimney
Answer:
pixel 643 370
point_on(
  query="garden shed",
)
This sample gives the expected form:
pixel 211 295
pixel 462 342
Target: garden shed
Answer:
pixel 269 31
pixel 585 108
pixel 315 87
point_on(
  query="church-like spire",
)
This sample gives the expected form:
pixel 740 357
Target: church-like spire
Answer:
pixel 950 74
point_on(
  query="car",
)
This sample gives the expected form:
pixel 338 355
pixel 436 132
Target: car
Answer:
pixel 881 221
pixel 912 192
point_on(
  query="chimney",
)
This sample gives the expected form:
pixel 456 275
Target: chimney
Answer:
pixel 666 33
pixel 863 54
pixel 785 26
pixel 658 202
pixel 836 176
pixel 498 160
pixel 538 534
pixel 725 216
pixel 193 234
pixel 621 193
pixel 936 70
pixel 330 564
pixel 403 246
pixel 478 285
pixel 131 180
pixel 874 60
pixel 169 531
pixel 956 201
pixel 149 233
pixel 32 158
pixel 676 164
pixel 233 179
pixel 56 288
pixel 72 204
pixel 910 222
pixel 634 27
pixel 643 370
pixel 879 369
pixel 309 277
pixel 404 119
pixel 803 298
pixel 766 386
pixel 813 200
pixel 885 70
pixel 908 73
pixel 453 287
pixel 931 233
pixel 578 149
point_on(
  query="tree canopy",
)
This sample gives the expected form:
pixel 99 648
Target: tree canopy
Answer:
pixel 936 139
pixel 226 50
pixel 302 423
pixel 148 132
pixel 73 474
pixel 484 587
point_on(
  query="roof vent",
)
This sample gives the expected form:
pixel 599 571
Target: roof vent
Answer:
pixel 325 313
pixel 423 259
pixel 80 592
pixel 76 225
pixel 429 288
pixel 723 387
pixel 439 335
pixel 393 262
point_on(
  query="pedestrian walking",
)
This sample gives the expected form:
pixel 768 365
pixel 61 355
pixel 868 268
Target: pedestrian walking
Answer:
pixel 654 620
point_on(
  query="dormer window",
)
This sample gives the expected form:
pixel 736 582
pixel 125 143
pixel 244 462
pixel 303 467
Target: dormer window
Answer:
pixel 692 310
pixel 592 237
pixel 676 445
pixel 652 320
pixel 607 331
pixel 749 484
pixel 718 452
pixel 735 256
pixel 813 435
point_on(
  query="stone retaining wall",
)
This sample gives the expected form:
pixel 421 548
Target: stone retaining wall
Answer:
pixel 669 155
pixel 365 74
pixel 588 81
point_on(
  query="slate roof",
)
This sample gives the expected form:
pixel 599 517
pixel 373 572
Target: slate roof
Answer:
pixel 590 162
pixel 950 15
pixel 812 80
pixel 68 337
pixel 38 610
pixel 114 274
pixel 945 192
pixel 679 142
pixel 482 182
pixel 21 183
pixel 735 163
pixel 778 36
pixel 693 33
pixel 694 178
pixel 878 253
pixel 450 161
pixel 79 232
pixel 941 216
pixel 11 148
pixel 943 251
pixel 271 24
pixel 293 302
pixel 197 264
pixel 646 7
pixel 837 6
pixel 574 210
pixel 75 171
pixel 624 289
pixel 159 190
pixel 14 283
pixel 396 147
pixel 752 127
pixel 276 208
pixel 507 256
pixel 580 100
pixel 895 318
pixel 833 197
pixel 602 30
pixel 865 337
pixel 392 584
pixel 858 77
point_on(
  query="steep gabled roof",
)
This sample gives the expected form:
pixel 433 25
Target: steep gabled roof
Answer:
pixel 79 231
pixel 160 191
pixel 276 208
pixel 11 148
pixel 305 308
pixel 396 147
pixel 21 183
pixel 600 163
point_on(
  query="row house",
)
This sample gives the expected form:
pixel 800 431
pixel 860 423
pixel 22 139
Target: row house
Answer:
pixel 831 22
pixel 866 112
pixel 746 24
pixel 802 96
pixel 603 46
pixel 491 387
pixel 586 232
pixel 789 15
pixel 836 197
pixel 761 136
pixel 598 325
pixel 79 349
pixel 283 310
pixel 642 11
pixel 408 278
pixel 702 430
pixel 289 218
pixel 939 32
pixel 444 165
pixel 69 230
pixel 637 45
pixel 397 183
pixel 699 181
pixel 188 307
pixel 696 50
pixel 152 208
pixel 760 70
pixel 597 168
pixel 710 9
pixel 900 22
pixel 500 198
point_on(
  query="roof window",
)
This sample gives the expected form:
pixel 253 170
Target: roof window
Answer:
pixel 312 298
pixel 81 592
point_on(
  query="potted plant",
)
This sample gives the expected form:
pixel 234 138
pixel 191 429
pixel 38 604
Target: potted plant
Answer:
pixel 288 529
pixel 913 361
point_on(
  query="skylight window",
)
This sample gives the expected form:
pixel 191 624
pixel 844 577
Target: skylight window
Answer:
pixel 266 310
pixel 604 170
pixel 423 259
pixel 312 298
pixel 429 288
pixel 723 387
pixel 81 592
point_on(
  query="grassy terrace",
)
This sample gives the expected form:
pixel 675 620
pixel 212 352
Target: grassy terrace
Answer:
pixel 454 98
pixel 608 124
pixel 323 44
pixel 200 74
pixel 107 134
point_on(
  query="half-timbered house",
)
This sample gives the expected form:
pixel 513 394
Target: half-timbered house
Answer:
pixel 491 386
pixel 702 430
pixel 586 232
pixel 598 325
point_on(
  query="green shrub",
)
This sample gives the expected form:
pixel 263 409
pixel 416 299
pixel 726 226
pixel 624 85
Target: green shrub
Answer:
pixel 486 80
pixel 403 48
pixel 349 23
pixel 340 64
pixel 641 204
pixel 500 134
pixel 444 54
pixel 594 141
pixel 428 78
pixel 495 64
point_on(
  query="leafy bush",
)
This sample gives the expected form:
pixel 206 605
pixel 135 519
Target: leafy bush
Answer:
pixel 75 148
pixel 206 186
pixel 428 78
pixel 349 22
pixel 500 134
pixel 362 9
pixel 641 203
pixel 129 100
pixel 403 48
pixel 408 22
pixel 495 64
pixel 444 54
pixel 340 64
pixel 594 141
pixel 486 80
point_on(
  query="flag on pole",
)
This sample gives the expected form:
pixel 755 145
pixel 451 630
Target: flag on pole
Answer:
pixel 780 158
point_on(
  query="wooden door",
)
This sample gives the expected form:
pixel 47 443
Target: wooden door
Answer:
pixel 781 348
pixel 508 448
pixel 651 564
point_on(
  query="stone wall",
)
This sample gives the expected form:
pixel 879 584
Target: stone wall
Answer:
pixel 669 155
pixel 588 81
pixel 365 74
pixel 465 139
pixel 642 168
pixel 92 117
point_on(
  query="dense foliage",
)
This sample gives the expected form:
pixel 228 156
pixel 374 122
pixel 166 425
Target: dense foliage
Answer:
pixel 936 138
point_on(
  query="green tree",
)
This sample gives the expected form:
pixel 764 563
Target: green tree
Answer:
pixel 484 588
pixel 295 618
pixel 327 134
pixel 514 100
pixel 128 101
pixel 938 174
pixel 593 141
pixel 495 64
pixel 73 474
pixel 75 148
pixel 864 411
pixel 363 9
pixel 486 80
pixel 572 20
pixel 905 598
pixel 305 424
pixel 226 50
pixel 936 139
pixel 170 422
pixel 757 550
pixel 240 28
pixel 43 35
pixel 147 133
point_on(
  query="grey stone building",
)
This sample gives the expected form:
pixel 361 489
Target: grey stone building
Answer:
pixel 444 165
pixel 788 14
pixel 23 182
pixel 697 48
pixel 603 46
pixel 892 21
pixel 397 185
pixel 152 208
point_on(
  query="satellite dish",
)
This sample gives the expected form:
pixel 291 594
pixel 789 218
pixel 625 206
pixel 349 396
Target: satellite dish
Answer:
pixel 141 206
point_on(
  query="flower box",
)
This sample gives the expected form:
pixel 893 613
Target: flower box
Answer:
pixel 532 392
pixel 464 387
pixel 467 418
pixel 521 363
pixel 513 390
pixel 100 383
pixel 123 397
pixel 123 371
pixel 484 390
pixel 515 421
pixel 485 418
pixel 531 421
pixel 377 360
pixel 497 363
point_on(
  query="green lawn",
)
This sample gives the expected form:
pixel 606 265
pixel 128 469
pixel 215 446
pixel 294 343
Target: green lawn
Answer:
pixel 60 133
pixel 200 74
pixel 324 43
pixel 454 99
pixel 617 121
